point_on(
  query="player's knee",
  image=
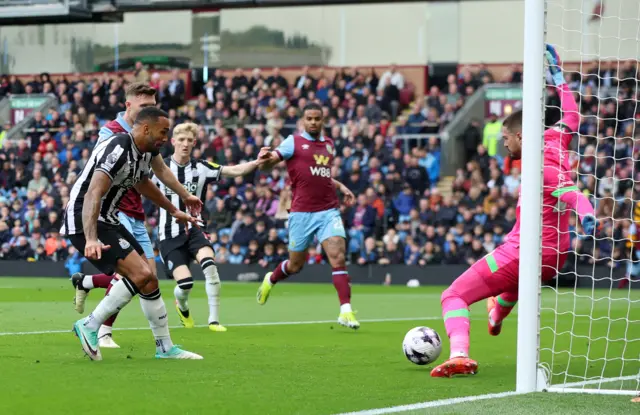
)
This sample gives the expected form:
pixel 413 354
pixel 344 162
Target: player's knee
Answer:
pixel 447 294
pixel 147 276
pixel 210 270
pixel 185 284
pixel 337 259
pixel 150 287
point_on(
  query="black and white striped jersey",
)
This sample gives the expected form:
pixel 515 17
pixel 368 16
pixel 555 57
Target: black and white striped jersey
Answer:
pixel 120 159
pixel 195 176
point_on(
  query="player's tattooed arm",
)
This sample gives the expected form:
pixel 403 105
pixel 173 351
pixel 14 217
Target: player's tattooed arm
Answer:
pixel 164 174
pixel 99 186
pixel 147 189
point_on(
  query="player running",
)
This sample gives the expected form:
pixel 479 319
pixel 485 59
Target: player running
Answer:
pixel 138 96
pixel 91 224
pixel 314 209
pixel 497 273
pixel 181 243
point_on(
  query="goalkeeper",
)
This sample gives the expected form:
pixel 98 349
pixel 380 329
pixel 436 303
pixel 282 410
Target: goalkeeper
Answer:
pixel 497 273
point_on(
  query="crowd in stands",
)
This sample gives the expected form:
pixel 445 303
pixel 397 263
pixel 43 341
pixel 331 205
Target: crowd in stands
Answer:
pixel 401 216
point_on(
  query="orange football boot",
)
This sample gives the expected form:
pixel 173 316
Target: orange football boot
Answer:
pixel 494 330
pixel 455 366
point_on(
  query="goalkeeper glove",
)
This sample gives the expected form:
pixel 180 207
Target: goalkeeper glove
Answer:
pixel 589 224
pixel 553 60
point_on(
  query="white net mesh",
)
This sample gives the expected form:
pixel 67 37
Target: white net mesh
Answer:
pixel 590 315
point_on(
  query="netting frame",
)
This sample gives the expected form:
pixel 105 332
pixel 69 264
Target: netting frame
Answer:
pixel 531 375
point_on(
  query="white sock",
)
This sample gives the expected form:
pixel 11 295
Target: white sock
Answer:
pixel 87 282
pixel 212 287
pixel 156 313
pixel 453 354
pixel 182 291
pixel 345 308
pixel 119 296
pixel 105 331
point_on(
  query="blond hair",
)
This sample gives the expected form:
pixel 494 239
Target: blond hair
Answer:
pixel 186 128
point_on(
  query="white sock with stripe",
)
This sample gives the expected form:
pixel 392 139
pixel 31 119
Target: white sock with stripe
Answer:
pixel 156 313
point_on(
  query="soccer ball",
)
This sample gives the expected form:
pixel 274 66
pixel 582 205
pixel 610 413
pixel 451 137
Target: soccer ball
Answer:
pixel 422 345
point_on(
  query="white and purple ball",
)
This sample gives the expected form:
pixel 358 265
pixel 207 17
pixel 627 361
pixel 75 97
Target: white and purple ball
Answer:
pixel 422 345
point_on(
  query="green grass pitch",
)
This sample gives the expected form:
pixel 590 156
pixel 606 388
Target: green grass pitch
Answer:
pixel 288 357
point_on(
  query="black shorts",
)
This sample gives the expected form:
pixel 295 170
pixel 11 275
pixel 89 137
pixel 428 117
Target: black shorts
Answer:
pixel 118 237
pixel 183 249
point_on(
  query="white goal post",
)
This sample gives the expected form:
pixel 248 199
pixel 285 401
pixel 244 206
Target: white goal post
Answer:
pixel 581 333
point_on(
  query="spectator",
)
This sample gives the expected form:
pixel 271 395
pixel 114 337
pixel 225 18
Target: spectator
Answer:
pixel 392 255
pixel 245 233
pixel 140 74
pixel 404 202
pixel 391 77
pixel 362 217
pixel 39 183
pixel 236 257
pixel 491 135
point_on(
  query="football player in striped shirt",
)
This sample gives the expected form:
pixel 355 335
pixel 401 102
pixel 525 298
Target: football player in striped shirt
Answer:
pixel 92 225
pixel 181 243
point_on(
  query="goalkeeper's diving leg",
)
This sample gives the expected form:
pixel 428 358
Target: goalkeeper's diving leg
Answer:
pixel 494 274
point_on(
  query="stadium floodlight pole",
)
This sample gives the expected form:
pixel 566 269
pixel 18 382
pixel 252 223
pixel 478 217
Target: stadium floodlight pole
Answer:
pixel 530 197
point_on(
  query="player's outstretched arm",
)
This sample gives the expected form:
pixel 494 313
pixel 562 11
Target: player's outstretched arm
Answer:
pixel 147 189
pixel 269 160
pixel 575 200
pixel 570 113
pixel 241 169
pixel 164 174
pixel 99 186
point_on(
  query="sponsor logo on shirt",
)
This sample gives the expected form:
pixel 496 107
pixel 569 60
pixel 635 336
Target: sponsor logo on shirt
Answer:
pixel 319 169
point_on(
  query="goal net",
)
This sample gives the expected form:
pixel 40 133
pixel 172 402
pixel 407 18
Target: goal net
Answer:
pixel 589 319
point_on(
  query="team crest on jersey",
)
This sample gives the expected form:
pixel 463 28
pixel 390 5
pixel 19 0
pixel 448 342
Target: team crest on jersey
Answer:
pixel 329 149
pixel 170 265
pixel 124 244
pixel 305 146
pixel 127 183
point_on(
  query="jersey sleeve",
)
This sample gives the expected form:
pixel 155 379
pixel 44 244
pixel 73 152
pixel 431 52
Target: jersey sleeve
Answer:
pixel 104 133
pixel 285 149
pixel 566 191
pixel 211 171
pixel 112 159
pixel 564 129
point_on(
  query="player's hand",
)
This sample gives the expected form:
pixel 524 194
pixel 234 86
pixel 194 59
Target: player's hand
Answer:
pixel 265 153
pixel 183 217
pixel 589 225
pixel 555 65
pixel 193 204
pixel 265 158
pixel 93 249
pixel 348 196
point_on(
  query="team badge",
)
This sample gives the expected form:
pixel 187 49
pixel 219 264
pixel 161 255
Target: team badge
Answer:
pixel 305 146
pixel 329 149
pixel 170 265
pixel 124 244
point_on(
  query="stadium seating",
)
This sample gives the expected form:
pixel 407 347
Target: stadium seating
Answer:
pixel 405 212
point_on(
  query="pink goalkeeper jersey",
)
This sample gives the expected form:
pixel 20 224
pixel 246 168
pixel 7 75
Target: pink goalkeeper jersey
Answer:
pixel 559 190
